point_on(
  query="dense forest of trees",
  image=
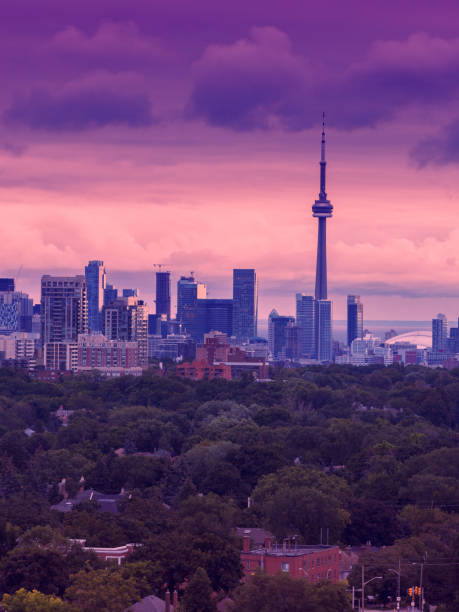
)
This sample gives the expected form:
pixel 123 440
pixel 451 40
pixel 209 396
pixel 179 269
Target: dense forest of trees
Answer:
pixel 371 454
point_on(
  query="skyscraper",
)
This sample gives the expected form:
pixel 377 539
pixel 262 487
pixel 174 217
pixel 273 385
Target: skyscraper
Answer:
pixel 305 314
pixel 163 294
pixel 64 308
pixel 439 333
pixel 292 349
pixel 213 315
pixel 6 284
pixel 323 330
pixel 277 335
pixel 110 294
pixel 354 318
pixel 189 291
pixel 95 287
pixel 322 209
pixel 453 341
pixel 130 293
pixel 245 304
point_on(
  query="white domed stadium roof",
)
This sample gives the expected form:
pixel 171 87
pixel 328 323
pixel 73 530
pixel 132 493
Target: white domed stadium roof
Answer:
pixel 422 339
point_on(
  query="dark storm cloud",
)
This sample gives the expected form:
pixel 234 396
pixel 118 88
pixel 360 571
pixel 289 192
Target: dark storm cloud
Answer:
pixel 260 82
pixel 254 83
pixel 441 149
pixel 97 100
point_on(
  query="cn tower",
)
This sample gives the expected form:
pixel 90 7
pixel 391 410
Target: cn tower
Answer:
pixel 322 209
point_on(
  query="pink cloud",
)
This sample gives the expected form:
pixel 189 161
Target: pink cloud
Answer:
pixel 114 45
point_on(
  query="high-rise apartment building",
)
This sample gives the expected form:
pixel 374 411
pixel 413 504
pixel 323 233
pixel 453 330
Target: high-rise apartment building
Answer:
pixel 64 308
pixel 213 315
pixel 189 291
pixel 305 320
pixel 354 318
pixel 439 334
pixel 127 319
pixel 16 310
pixel 111 357
pixel 163 294
pixel 96 280
pixel 60 355
pixel 19 346
pixel 245 303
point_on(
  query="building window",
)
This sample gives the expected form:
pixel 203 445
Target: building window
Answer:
pixel 318 562
pixel 285 567
pixel 248 564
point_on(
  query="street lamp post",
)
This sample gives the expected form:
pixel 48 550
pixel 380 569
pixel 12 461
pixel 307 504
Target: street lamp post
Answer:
pixel 398 572
pixel 364 584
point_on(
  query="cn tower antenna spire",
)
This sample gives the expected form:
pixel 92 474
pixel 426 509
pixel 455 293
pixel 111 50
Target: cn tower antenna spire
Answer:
pixel 323 163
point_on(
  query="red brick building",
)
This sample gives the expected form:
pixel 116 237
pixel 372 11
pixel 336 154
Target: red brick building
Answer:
pixel 201 370
pixel 315 563
pixel 216 358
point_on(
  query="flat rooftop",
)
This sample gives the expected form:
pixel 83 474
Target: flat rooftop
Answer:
pixel 296 551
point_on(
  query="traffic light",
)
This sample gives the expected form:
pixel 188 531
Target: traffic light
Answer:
pixel 410 591
pixel 417 590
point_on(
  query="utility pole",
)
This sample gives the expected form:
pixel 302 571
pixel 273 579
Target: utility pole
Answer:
pixel 421 596
pixel 363 588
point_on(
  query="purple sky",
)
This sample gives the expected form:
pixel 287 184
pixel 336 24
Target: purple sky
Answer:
pixel 187 134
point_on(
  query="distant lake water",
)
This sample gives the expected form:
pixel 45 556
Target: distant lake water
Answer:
pixel 376 327
pixel 379 328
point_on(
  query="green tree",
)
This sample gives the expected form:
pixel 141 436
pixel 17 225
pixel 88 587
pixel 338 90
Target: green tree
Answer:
pixel 33 567
pixel 104 590
pixel 198 595
pixel 303 501
pixel 283 593
pixel 372 520
pixel 33 601
pixel 148 576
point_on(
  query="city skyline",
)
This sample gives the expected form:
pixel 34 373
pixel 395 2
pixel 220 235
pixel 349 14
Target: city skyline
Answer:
pixel 167 167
